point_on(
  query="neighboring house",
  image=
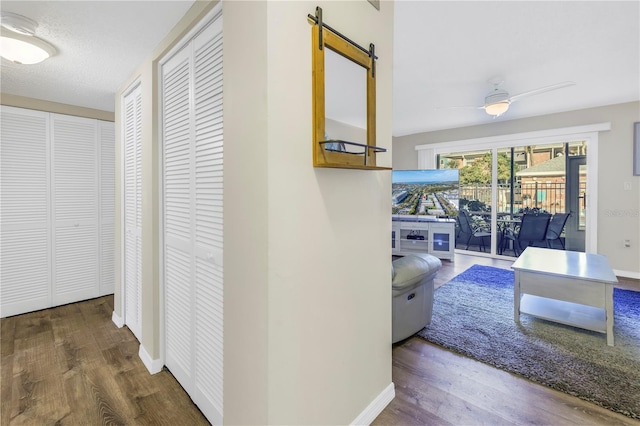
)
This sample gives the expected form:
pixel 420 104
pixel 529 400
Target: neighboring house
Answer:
pixel 544 184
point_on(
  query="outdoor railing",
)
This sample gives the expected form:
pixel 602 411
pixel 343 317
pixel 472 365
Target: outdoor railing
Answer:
pixel 545 196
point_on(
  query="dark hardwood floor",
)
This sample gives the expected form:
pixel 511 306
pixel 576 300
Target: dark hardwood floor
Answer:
pixel 70 365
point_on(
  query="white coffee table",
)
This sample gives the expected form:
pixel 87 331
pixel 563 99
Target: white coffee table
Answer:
pixel 567 287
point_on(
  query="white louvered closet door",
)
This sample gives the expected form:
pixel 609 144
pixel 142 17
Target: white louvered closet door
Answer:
pixel 208 221
pixel 177 188
pixel 132 141
pixel 106 136
pixel 192 194
pixel 75 208
pixel 24 211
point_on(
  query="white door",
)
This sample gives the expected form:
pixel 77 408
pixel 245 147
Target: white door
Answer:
pixel 74 163
pixel 208 221
pixel 177 193
pixel 192 216
pixel 106 136
pixel 132 250
pixel 52 250
pixel 25 246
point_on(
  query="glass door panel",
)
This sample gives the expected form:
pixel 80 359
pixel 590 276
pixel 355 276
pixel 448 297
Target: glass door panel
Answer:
pixel 577 201
pixel 473 228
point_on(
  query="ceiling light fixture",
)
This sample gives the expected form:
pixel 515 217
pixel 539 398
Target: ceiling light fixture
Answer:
pixel 497 108
pixel 18 43
pixel 497 102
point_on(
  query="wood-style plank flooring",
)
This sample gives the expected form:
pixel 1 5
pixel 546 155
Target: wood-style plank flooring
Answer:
pixel 437 387
pixel 70 365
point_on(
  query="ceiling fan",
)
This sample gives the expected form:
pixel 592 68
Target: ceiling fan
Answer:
pixel 497 102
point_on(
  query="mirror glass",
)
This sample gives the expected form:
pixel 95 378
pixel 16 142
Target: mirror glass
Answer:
pixel 345 100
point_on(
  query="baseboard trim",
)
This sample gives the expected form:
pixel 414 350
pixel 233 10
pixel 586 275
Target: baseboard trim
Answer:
pixel 153 365
pixel 627 274
pixel 376 406
pixel 117 320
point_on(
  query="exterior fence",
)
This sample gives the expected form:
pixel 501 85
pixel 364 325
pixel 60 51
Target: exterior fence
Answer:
pixel 546 196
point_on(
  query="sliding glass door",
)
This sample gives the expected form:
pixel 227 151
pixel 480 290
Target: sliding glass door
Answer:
pixel 499 185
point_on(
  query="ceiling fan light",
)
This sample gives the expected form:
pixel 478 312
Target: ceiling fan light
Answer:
pixel 22 49
pixel 497 108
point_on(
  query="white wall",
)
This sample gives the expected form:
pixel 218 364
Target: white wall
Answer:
pixel 246 192
pixel 618 209
pixel 307 254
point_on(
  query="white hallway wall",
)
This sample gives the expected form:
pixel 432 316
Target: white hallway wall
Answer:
pixel 315 311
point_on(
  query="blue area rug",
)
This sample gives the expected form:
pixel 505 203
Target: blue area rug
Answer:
pixel 473 316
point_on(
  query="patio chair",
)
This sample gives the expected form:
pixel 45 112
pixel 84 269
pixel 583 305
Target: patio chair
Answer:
pixel 532 229
pixel 468 231
pixel 556 225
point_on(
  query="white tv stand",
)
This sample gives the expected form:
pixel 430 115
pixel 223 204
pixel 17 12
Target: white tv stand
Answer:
pixel 438 236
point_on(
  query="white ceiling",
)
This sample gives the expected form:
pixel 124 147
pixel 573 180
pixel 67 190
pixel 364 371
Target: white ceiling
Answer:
pixel 444 54
pixel 99 43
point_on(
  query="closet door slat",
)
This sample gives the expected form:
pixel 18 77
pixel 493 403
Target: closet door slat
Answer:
pixel 74 162
pixel 107 207
pixel 208 216
pixel 56 242
pixel 25 245
pixel 192 124
pixel 177 208
pixel 132 142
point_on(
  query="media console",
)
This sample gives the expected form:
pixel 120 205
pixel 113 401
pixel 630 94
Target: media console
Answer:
pixel 422 234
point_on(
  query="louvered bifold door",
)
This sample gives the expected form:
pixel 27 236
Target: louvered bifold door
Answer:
pixel 24 212
pixel 106 137
pixel 74 165
pixel 192 217
pixel 207 49
pixel 178 162
pixel 132 250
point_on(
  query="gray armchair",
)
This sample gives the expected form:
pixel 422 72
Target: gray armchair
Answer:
pixel 412 289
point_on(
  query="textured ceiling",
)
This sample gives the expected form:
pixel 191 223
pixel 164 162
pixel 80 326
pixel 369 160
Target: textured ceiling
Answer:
pixel 444 54
pixel 99 43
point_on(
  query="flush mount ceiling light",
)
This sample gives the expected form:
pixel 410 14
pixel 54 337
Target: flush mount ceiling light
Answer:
pixel 18 43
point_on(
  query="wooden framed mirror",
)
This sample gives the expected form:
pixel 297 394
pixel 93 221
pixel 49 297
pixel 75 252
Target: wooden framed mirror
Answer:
pixel 344 100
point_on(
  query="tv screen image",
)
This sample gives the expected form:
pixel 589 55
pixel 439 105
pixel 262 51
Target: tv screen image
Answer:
pixel 425 192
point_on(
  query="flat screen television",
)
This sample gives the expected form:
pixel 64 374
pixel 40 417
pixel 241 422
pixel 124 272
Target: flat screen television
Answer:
pixel 431 193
